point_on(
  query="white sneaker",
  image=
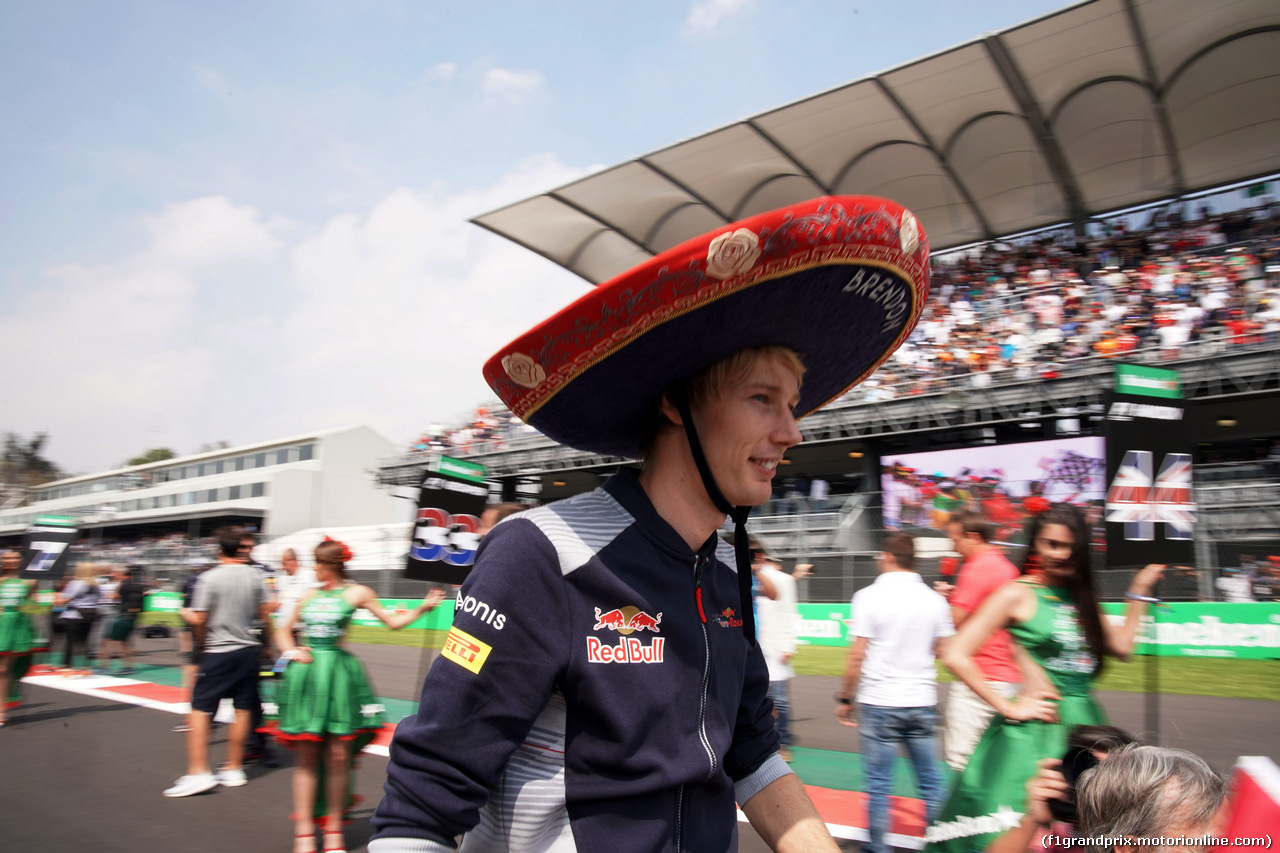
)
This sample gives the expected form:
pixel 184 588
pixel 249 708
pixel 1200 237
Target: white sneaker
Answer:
pixel 188 785
pixel 232 778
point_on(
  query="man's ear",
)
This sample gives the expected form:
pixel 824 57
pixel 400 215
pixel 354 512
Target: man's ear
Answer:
pixel 669 411
pixel 1124 848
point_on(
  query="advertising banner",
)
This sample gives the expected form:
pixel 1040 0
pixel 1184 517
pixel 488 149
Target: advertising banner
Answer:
pixel 439 619
pixel 1180 629
pixel 1150 510
pixel 162 602
pixel 46 543
pixel 1207 629
pixel 446 532
pixel 824 624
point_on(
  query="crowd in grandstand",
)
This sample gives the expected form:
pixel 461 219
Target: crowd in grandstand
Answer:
pixel 489 426
pixel 1036 308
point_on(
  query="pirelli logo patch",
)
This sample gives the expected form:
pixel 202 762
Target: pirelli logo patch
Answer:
pixel 465 650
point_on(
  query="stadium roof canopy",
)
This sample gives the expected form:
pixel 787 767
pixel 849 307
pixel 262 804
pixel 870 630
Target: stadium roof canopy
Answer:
pixel 1101 106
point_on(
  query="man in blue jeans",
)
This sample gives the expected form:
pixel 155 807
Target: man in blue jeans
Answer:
pixel 900 625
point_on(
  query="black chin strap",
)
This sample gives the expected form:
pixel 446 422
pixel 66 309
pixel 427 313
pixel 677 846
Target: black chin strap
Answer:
pixel 741 547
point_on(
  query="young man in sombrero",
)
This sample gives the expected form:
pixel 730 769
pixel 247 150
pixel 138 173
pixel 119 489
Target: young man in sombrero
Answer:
pixel 601 688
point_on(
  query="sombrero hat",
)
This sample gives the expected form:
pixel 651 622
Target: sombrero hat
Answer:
pixel 840 279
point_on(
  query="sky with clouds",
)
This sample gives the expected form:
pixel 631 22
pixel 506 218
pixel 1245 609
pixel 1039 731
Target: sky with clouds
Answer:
pixel 242 221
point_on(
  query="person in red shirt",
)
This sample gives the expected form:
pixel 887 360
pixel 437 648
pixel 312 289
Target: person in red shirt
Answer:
pixel 985 570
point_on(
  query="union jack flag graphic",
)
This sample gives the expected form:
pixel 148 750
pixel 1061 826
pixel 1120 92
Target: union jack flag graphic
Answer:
pixel 1134 501
pixel 1171 499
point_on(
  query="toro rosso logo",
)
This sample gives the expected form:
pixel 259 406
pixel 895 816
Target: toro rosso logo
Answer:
pixel 629 649
pixel 728 619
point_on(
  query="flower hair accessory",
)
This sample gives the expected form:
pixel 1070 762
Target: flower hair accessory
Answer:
pixel 1036 505
pixel 347 556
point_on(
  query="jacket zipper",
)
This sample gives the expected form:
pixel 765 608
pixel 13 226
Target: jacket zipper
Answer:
pixel 679 819
pixel 699 563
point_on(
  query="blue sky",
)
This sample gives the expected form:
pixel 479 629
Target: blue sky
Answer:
pixel 242 220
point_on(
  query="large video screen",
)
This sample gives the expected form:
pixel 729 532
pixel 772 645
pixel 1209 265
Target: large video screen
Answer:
pixel 922 489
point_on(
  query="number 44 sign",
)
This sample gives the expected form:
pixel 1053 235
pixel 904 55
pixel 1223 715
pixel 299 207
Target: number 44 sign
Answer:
pixel 1140 504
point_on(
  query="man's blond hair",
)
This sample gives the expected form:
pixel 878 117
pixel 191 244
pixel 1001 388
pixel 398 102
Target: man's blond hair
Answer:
pixel 710 382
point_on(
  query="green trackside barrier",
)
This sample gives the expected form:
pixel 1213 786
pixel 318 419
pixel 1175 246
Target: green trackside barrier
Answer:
pixel 1208 629
pixel 441 618
pixel 1181 629
pixel 824 624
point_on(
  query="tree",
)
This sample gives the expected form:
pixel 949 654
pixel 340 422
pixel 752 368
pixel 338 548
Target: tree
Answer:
pixel 22 463
pixel 155 454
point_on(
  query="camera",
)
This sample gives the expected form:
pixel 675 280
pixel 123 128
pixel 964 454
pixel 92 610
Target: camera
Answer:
pixel 1077 760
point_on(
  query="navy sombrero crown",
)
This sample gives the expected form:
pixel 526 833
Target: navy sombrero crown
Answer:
pixel 840 279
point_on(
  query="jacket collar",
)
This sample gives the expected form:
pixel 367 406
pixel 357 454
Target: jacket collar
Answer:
pixel 625 488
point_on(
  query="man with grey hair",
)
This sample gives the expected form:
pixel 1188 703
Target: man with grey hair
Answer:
pixel 298 580
pixel 1143 792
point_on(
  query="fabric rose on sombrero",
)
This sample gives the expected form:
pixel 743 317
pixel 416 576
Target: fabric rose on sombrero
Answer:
pixel 731 254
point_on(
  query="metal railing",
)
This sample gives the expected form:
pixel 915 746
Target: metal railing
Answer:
pixel 1210 368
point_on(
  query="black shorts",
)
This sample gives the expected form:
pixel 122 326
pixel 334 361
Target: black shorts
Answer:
pixel 227 675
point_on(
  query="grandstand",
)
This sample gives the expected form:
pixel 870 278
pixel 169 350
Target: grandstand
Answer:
pixel 1084 206
pixel 159 514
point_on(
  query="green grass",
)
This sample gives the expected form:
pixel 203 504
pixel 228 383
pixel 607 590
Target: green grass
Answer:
pixel 1240 679
pixel 172 620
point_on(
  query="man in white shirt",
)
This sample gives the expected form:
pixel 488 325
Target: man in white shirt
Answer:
pixel 296 583
pixel 777 624
pixel 899 624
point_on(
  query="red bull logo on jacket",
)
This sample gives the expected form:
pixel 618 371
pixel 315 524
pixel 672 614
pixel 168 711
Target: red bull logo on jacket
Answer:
pixel 626 621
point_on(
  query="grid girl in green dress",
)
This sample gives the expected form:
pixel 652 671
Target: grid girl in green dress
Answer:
pixel 326 707
pixel 1052 612
pixel 18 639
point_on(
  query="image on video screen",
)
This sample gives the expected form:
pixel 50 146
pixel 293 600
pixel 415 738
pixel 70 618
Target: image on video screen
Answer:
pixel 1003 482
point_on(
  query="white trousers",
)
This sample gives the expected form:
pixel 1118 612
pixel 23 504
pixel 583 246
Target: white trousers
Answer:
pixel 967 718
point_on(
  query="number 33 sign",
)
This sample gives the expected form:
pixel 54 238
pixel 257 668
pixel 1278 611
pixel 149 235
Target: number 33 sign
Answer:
pixel 446 529
pixel 441 536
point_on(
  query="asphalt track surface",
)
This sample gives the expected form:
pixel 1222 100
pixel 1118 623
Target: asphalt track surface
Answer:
pixel 84 773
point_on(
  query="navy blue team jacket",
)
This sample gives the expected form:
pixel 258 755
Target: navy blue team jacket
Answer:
pixel 596 693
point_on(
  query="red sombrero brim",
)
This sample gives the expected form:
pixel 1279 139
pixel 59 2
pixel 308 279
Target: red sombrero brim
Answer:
pixel 840 279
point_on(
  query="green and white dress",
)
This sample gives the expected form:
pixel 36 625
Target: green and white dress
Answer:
pixel 331 696
pixel 18 639
pixel 989 796
pixel 328 698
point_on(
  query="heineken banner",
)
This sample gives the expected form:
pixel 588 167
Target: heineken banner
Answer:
pixel 46 543
pixel 162 602
pixel 1181 629
pixel 446 533
pixel 1207 630
pixel 824 624
pixel 439 619
pixel 1150 511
